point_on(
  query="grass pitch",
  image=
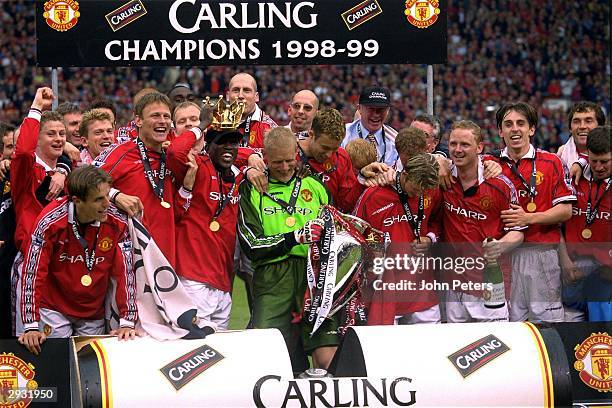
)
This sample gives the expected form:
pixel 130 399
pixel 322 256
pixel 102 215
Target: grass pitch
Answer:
pixel 239 317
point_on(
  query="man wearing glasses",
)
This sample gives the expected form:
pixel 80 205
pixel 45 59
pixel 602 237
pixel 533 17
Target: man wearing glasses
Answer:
pixel 302 110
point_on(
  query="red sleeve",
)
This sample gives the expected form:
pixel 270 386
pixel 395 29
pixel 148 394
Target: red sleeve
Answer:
pixel 177 155
pixel 509 196
pixel 124 274
pixel 34 272
pixel 243 156
pixel 171 136
pixel 435 218
pixel 361 205
pixel 562 192
pixel 488 157
pixel 24 158
pixel 181 203
pixel 349 188
pixel 28 136
pixel 109 160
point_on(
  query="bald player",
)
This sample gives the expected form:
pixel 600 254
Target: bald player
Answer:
pixel 301 111
pixel 255 123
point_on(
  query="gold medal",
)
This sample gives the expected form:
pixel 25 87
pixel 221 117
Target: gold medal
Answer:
pixel 531 207
pixel 587 233
pixel 85 280
pixel 165 204
pixel 290 221
pixel 214 226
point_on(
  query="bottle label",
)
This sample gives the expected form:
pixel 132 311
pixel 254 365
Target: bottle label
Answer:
pixel 496 297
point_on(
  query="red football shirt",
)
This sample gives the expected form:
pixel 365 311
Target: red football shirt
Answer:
pixel 215 249
pixel 470 217
pixel 55 263
pixel 382 208
pixel 125 166
pixel 552 188
pixel 601 228
pixel 27 175
pixel 338 176
pixel 259 125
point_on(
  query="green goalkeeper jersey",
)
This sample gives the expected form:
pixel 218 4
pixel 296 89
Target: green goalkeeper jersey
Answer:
pixel 263 229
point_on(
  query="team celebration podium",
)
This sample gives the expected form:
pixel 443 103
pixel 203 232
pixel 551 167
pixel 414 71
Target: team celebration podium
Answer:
pixel 497 364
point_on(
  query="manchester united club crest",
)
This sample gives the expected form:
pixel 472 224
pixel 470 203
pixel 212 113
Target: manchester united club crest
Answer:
pixel 539 177
pixel 7 187
pixel 306 195
pixel 594 361
pixel 426 201
pixel 105 244
pixel 422 13
pixel 485 202
pixel 61 15
pixel 15 374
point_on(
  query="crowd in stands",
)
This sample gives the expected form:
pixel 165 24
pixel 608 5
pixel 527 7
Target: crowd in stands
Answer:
pixel 497 50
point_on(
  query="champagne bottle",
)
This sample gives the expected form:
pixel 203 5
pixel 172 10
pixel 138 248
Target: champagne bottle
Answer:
pixel 494 293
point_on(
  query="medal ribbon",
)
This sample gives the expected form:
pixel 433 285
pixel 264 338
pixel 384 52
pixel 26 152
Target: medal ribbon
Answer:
pixel 590 216
pixel 89 258
pixel 247 131
pixel 325 296
pixel 326 275
pixel 415 222
pixel 226 198
pixel 532 180
pixel 158 186
pixel 289 207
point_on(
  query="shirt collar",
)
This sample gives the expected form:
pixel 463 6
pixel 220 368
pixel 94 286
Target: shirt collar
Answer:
pixel 257 114
pixel 365 131
pixel 42 163
pixel 287 183
pixel 588 174
pixel 72 218
pixel 481 178
pixel 529 155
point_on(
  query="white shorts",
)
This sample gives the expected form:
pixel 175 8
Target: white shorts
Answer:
pixel 52 323
pixel 571 314
pixel 536 285
pixel 431 315
pixel 56 325
pixel 213 305
pixel 575 292
pixel 463 308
